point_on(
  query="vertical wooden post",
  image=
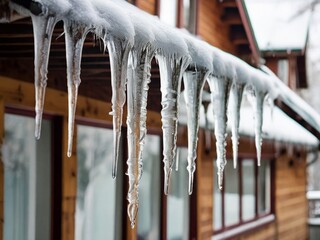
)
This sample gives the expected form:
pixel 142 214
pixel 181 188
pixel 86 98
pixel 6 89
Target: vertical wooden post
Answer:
pixel 1 168
pixel 69 185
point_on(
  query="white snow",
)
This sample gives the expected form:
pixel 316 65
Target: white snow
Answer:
pixel 277 24
pixel 277 125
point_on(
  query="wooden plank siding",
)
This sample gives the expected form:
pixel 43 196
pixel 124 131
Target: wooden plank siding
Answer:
pixel 69 184
pixel 149 6
pixel 205 190
pixel 291 202
pixel 290 192
pixel 211 28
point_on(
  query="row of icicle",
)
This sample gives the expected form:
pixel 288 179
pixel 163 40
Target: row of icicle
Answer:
pixel 130 60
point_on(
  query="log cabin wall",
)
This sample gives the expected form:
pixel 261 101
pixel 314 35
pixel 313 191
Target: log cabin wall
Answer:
pixel 150 6
pixel 211 27
pixel 290 200
pixel 290 203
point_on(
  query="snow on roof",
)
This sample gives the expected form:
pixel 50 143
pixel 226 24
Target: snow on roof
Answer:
pixel 277 125
pixel 277 24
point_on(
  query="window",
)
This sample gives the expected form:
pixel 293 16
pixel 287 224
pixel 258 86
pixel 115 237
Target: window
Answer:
pixel 150 190
pixel 178 199
pixel 189 15
pixel 231 196
pixel 27 179
pixel 245 197
pixel 283 70
pixel 99 199
pixel 179 13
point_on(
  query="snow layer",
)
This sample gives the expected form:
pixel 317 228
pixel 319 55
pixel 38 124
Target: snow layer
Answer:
pixel 133 39
pixel 277 125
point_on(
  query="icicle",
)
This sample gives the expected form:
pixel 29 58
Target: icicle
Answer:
pixel 219 97
pixel 256 98
pixel 75 35
pixel 236 93
pixel 137 92
pixel 118 54
pixel 177 160
pixel 270 102
pixel 43 28
pixel 258 112
pixel 171 71
pixel 193 83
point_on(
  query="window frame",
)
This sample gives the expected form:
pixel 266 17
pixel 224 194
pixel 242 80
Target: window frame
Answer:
pixel 55 165
pixel 104 124
pixel 257 215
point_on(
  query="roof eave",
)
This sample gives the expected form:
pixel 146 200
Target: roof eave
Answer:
pixel 256 55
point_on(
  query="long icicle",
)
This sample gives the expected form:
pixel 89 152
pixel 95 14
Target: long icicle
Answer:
pixel 118 54
pixel 42 28
pixel 220 88
pixel 171 71
pixel 137 92
pixel 193 83
pixel 75 35
pixel 258 116
pixel 237 93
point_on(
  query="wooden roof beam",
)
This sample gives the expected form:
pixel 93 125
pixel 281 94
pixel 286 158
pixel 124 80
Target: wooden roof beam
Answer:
pixel 249 31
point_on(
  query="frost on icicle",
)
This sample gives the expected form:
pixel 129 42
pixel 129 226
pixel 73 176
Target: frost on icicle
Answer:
pixel 235 104
pixel 42 28
pixel 75 35
pixel 118 54
pixel 220 88
pixel 193 83
pixel 256 99
pixel 171 71
pixel 137 93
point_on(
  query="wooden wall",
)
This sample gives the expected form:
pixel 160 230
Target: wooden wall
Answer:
pixel 205 179
pixel 290 194
pixel 291 202
pixel 210 26
pixel 149 6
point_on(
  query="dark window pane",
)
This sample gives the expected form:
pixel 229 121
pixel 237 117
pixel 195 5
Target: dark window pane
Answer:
pixel 98 202
pixel 231 191
pixel 27 179
pixel 178 200
pixel 149 194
